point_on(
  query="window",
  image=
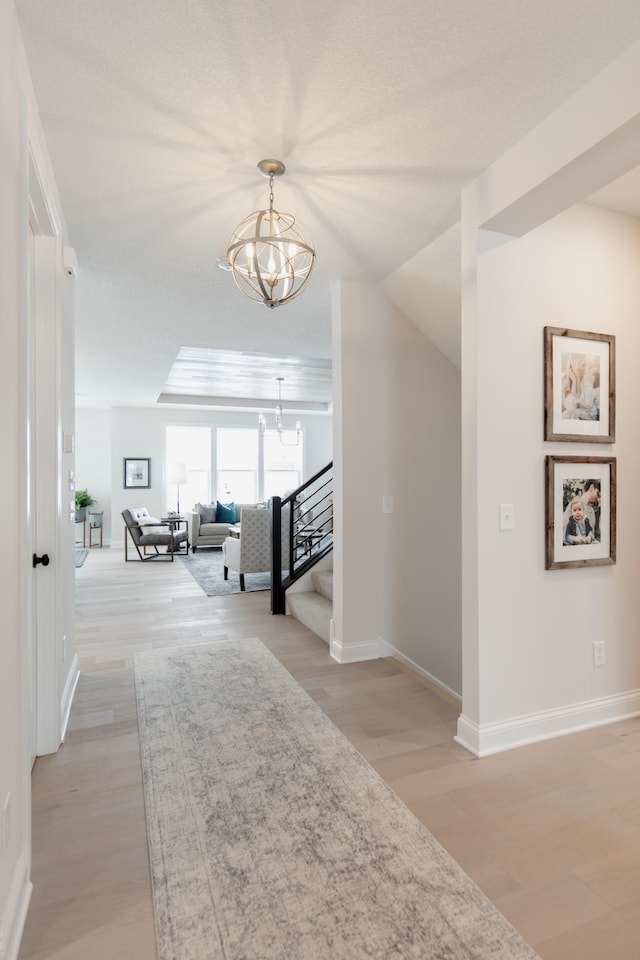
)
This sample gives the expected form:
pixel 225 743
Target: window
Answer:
pixel 237 465
pixel 191 447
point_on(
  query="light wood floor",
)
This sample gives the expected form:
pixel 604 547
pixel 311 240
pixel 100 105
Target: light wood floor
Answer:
pixel 551 832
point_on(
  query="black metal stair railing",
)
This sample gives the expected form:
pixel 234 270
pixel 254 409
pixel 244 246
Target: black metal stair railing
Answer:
pixel 301 533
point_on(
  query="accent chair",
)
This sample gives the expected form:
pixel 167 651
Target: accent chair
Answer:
pixel 251 551
pixel 147 532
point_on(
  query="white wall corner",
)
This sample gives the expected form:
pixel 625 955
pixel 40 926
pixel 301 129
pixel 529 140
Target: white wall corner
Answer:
pixel 484 739
pixel 67 696
pixel 15 911
pixel 387 650
pixel 356 652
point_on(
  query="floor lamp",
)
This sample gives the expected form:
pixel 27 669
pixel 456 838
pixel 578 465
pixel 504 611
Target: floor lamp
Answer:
pixel 180 477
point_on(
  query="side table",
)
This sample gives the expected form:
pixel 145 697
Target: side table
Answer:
pixel 84 531
pixel 174 524
pixel 95 523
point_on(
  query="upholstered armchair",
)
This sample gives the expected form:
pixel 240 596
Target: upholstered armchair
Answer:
pixel 251 551
pixel 146 531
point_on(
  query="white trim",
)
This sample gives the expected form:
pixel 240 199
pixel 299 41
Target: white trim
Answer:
pixel 390 651
pixel 485 739
pixel 67 696
pixel 15 912
pixel 47 479
pixel 356 652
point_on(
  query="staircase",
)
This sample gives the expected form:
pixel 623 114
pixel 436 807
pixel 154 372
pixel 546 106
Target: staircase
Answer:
pixel 301 536
pixel 314 607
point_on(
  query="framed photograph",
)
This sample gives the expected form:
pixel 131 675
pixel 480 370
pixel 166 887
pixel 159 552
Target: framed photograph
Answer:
pixel 579 386
pixel 580 511
pixel 137 472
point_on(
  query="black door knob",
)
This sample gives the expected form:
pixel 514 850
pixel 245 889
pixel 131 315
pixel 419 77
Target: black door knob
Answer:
pixel 44 560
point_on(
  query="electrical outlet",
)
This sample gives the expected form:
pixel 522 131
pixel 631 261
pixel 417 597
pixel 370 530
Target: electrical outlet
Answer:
pixel 599 653
pixel 387 504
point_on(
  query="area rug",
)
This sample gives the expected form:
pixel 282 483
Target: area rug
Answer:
pixel 271 837
pixel 81 556
pixel 206 568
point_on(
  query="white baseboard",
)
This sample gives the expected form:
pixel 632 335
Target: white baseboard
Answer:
pixel 67 696
pixel 389 651
pixel 355 652
pixel 15 913
pixel 485 739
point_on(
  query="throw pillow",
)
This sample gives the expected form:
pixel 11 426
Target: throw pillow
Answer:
pixel 149 525
pixel 208 512
pixel 226 513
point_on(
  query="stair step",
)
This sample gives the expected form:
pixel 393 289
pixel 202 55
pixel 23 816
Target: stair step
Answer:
pixel 323 583
pixel 313 610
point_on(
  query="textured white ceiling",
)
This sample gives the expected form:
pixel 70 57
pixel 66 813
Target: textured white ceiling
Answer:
pixel 157 112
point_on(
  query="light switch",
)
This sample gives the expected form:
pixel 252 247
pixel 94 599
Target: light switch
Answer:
pixel 507 518
pixel 387 504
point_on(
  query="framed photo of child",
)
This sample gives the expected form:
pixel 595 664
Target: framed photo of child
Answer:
pixel 579 386
pixel 580 511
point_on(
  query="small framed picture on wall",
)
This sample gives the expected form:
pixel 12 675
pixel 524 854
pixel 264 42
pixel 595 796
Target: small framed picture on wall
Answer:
pixel 137 472
pixel 579 386
pixel 580 511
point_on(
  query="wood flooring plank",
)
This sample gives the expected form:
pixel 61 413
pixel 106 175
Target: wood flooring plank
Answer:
pixel 551 832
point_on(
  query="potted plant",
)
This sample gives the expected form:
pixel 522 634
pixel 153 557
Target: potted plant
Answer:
pixel 83 500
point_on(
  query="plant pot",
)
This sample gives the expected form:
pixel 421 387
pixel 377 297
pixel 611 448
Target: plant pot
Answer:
pixel 81 514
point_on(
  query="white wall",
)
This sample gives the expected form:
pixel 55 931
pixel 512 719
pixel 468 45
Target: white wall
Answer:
pixel 397 416
pixel 19 128
pixel 580 271
pixel 93 462
pixel 104 438
pixel 15 863
pixel 527 633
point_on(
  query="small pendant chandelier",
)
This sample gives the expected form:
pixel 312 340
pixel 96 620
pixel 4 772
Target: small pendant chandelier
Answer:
pixel 270 259
pixel 263 423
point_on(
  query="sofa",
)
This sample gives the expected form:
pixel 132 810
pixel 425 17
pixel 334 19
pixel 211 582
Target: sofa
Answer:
pixel 205 530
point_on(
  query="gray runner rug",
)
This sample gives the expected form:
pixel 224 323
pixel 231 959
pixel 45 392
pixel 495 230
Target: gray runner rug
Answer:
pixel 271 837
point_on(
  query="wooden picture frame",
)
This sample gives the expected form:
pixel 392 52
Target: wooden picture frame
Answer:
pixel 579 386
pixel 580 534
pixel 137 473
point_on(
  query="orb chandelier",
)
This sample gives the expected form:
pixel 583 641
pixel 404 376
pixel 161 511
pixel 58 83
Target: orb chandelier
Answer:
pixel 270 259
pixel 262 423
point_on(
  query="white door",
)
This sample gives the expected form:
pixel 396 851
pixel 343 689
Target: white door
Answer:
pixel 31 581
pixel 41 471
